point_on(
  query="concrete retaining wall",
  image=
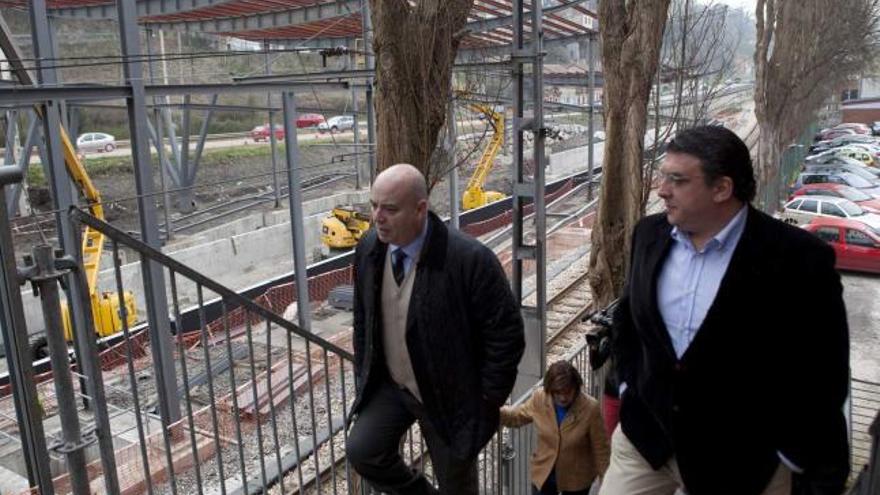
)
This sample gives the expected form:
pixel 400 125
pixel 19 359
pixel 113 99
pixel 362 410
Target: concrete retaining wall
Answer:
pixel 230 254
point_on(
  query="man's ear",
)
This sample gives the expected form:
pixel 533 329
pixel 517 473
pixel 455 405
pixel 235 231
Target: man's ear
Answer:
pixel 722 189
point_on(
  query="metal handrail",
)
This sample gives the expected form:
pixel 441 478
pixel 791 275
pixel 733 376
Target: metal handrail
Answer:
pixel 230 295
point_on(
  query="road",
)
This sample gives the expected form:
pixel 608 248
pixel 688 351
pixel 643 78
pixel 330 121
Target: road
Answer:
pixel 861 293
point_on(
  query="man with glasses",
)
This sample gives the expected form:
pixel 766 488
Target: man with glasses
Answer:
pixel 728 385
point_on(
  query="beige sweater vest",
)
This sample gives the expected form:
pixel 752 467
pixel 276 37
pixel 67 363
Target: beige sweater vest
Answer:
pixel 395 305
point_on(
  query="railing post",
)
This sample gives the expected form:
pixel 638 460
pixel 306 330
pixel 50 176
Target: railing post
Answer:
pixel 15 340
pixel 42 270
pixel 508 454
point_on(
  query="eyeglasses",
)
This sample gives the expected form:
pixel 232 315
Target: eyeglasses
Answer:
pixel 674 178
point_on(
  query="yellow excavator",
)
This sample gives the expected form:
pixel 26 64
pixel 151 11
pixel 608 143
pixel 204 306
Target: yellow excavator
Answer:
pixel 344 226
pixel 474 196
pixel 105 305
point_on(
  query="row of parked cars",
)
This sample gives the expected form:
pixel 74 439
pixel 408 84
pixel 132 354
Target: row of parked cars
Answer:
pixel 314 120
pixel 837 195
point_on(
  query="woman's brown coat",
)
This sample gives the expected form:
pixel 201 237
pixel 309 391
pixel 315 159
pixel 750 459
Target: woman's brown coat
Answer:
pixel 578 447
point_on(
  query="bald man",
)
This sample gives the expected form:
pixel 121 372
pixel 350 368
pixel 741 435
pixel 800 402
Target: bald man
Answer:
pixel 437 339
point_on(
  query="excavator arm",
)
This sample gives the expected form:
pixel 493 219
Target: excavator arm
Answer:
pixel 474 196
pixel 105 307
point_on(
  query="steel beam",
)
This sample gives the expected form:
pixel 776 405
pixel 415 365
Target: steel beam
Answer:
pixel 24 161
pixel 153 277
pixel 30 95
pixel 501 50
pixel 259 21
pixel 203 136
pixel 107 9
pixel 449 144
pixel 159 142
pixel 13 327
pixel 529 190
pixel 370 60
pixel 591 64
pixel 484 25
pixel 11 136
pixel 302 77
pixel 297 230
pixel 185 201
pixel 273 144
pixel 356 129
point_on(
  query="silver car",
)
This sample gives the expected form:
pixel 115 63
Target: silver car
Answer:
pixel 95 141
pixel 336 124
pixel 802 209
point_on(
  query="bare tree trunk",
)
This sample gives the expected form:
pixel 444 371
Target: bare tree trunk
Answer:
pixel 415 47
pixel 803 53
pixel 631 37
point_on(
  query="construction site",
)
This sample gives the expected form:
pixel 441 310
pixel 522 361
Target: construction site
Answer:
pixel 177 300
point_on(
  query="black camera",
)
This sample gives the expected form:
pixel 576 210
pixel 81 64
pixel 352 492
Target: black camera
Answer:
pixel 599 338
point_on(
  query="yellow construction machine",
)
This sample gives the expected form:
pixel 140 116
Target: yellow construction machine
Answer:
pixel 344 226
pixel 474 196
pixel 105 305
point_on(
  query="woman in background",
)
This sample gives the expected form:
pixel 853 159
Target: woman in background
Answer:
pixel 572 446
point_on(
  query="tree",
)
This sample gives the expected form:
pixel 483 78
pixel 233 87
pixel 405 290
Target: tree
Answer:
pixel 696 57
pixel 415 44
pixel 804 52
pixel 631 35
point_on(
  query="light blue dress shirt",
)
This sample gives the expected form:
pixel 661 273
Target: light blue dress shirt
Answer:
pixel 690 278
pixel 412 249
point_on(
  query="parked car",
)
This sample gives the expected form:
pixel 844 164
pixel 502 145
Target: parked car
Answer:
pixel 856 245
pixel 873 149
pixel 802 209
pixel 827 134
pixel 853 138
pixel 859 128
pixel 261 132
pixel 875 128
pixel 336 124
pixel 843 156
pixel 95 141
pixel 841 177
pixel 864 200
pixel 308 120
pixel 846 165
pixel 861 155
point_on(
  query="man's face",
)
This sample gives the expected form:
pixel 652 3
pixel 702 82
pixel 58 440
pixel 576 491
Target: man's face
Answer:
pixel 398 216
pixel 691 204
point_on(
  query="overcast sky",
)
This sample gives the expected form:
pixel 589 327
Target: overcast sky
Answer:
pixel 748 5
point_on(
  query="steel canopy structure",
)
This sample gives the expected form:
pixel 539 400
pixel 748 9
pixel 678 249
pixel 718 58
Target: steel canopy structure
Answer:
pixel 491 21
pixel 507 34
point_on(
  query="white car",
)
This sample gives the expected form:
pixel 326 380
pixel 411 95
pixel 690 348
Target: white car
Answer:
pixel 802 209
pixel 336 124
pixel 95 141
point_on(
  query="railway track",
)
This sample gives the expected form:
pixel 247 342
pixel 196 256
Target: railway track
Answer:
pixel 564 312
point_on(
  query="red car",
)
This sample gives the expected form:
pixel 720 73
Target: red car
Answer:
pixel 866 201
pixel 261 132
pixel 309 120
pixel 856 245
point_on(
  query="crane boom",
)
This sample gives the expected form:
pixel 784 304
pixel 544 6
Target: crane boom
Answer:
pixel 474 196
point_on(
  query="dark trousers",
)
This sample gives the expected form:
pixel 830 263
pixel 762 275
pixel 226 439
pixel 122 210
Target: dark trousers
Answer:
pixel 373 448
pixel 550 488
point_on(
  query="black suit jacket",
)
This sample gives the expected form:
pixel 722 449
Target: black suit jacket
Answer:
pixel 767 371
